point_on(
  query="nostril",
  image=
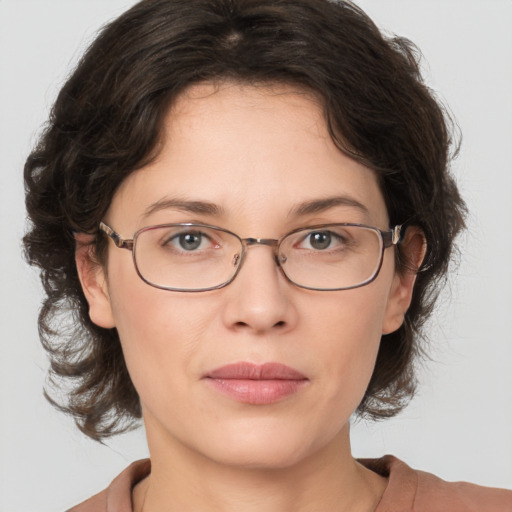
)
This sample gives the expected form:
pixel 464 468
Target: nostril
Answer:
pixel 243 325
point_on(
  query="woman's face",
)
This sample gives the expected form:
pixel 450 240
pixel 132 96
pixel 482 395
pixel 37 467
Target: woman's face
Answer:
pixel 257 154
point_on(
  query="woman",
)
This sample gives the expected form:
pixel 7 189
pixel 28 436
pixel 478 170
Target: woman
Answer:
pixel 251 222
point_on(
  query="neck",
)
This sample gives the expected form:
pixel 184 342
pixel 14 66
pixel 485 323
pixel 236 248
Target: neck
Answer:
pixel 184 480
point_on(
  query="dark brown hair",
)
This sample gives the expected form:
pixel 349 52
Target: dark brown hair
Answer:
pixel 107 120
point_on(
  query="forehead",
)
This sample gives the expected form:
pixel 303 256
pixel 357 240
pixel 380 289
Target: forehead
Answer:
pixel 254 151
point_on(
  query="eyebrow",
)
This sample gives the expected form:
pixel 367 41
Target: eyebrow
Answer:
pixel 198 207
pixel 320 205
pixel 212 209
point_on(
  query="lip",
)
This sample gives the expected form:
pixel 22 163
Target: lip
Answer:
pixel 256 384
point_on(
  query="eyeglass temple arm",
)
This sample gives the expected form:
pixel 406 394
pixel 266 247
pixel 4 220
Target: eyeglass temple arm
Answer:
pixel 393 236
pixel 116 237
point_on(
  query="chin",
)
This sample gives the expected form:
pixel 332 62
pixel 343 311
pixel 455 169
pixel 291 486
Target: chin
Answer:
pixel 260 456
pixel 264 445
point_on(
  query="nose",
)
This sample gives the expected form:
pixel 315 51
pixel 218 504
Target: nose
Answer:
pixel 260 298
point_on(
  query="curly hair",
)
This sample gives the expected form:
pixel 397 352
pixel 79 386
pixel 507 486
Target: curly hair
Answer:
pixel 106 123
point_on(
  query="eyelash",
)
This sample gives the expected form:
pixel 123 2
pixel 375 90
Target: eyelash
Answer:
pixel 168 241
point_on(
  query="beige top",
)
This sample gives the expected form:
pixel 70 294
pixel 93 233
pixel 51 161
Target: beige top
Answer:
pixel 408 490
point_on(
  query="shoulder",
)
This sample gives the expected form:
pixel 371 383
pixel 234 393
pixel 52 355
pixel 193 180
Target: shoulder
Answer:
pixel 118 495
pixel 411 490
pixel 97 503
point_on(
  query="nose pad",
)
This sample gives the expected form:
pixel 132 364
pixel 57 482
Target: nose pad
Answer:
pixel 280 260
pixel 236 260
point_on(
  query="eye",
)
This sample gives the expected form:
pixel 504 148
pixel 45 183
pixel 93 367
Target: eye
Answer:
pixel 189 241
pixel 321 241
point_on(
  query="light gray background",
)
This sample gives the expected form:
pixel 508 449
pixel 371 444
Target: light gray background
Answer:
pixel 460 425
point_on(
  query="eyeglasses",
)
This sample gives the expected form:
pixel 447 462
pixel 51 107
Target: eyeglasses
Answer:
pixel 189 257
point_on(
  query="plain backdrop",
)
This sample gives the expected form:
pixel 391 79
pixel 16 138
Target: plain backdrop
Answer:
pixel 460 424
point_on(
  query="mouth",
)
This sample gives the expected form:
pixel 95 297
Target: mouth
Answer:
pixel 255 384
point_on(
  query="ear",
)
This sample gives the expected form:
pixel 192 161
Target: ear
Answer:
pixel 93 280
pixel 413 248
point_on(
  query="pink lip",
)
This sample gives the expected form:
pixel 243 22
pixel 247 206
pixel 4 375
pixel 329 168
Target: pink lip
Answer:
pixel 256 384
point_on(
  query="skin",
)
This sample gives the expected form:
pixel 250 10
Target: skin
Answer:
pixel 255 152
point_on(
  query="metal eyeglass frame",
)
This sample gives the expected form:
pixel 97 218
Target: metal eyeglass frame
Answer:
pixel 389 238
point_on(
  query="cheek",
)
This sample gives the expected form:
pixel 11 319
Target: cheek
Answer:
pixel 347 343
pixel 352 321
pixel 160 331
